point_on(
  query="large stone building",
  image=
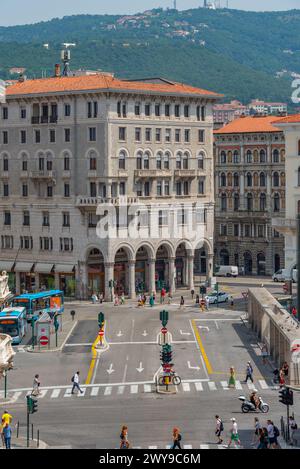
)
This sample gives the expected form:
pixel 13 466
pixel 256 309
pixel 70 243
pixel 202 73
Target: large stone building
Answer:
pixel 250 191
pixel 72 146
pixel 290 125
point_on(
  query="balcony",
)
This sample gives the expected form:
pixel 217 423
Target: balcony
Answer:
pixel 6 353
pixel 152 173
pixel 286 226
pixel 35 120
pixel 88 202
pixel 185 173
pixel 43 175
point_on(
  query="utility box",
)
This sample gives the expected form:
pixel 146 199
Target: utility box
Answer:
pixel 43 330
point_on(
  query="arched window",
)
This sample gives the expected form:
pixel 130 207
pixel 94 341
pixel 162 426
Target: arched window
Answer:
pixel 93 161
pixel 223 157
pixel 249 202
pixel 282 179
pixel 139 160
pixel 185 161
pixel 223 180
pixel 249 156
pixel 201 160
pixel 236 202
pixel 146 160
pixel 275 179
pixel 223 202
pixel 167 157
pixel 159 158
pixel 262 156
pixel 275 156
pixel 276 203
pixel 236 157
pixel 179 160
pixel 299 176
pixel 262 180
pixel 249 180
pixel 261 264
pixel 262 202
pixel 229 179
pixel 255 179
pixel 224 257
pixel 236 180
pixel 122 160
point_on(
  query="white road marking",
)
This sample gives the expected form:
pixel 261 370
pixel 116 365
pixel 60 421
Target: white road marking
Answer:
pixel 263 384
pixel 187 446
pixel 134 389
pixel 168 446
pixel 199 386
pixel 55 393
pixel 224 385
pixel 82 394
pixel 193 367
pixel 95 370
pixel 133 343
pixel 238 385
pixel 212 386
pixel 132 332
pixel 217 327
pixel 186 387
pixel 140 368
pixel 147 388
pixel 107 391
pixel 152 447
pixel 68 393
pixel 121 390
pixel 125 372
pixel 110 370
pixel 197 345
pixel 250 386
pixel 43 393
pixel 95 391
pixel 184 333
pixel 204 446
pixel 17 395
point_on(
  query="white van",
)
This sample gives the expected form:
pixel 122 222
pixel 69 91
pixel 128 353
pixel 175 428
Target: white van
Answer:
pixel 227 271
pixel 284 274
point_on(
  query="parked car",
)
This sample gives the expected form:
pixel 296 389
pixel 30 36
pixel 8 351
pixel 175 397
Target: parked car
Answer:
pixel 284 274
pixel 227 271
pixel 215 297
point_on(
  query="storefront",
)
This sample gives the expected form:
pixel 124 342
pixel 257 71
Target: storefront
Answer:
pixel 140 276
pixel 96 279
pixel 179 263
pixel 46 280
pixel 120 278
pixel 27 277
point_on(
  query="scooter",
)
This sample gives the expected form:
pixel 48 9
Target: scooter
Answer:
pixel 247 405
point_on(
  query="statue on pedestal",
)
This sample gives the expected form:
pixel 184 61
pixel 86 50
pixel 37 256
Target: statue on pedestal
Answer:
pixel 4 289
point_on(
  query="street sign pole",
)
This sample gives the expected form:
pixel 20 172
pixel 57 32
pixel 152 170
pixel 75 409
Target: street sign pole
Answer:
pixel 298 267
pixel 5 384
pixel 217 290
pixel 288 421
pixel 32 330
pixel 28 422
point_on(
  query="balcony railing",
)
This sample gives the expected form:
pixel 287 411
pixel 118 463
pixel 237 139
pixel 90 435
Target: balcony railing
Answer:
pixel 285 225
pixel 43 174
pixel 85 201
pixel 44 119
pixel 152 173
pixel 185 173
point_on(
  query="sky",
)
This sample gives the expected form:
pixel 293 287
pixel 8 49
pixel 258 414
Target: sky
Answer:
pixel 31 11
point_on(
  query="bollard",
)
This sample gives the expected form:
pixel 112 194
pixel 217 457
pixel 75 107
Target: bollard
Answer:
pixel 32 431
pixel 72 314
pixel 167 383
pixel 38 439
pixel 18 429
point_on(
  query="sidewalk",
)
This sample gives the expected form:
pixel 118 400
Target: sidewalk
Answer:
pixel 67 328
pixel 21 443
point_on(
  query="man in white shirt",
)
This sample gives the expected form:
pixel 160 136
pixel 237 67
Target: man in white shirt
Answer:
pixel 75 381
pixel 234 437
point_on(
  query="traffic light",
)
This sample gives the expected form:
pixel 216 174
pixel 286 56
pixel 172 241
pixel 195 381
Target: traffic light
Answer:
pixel 166 354
pixel 164 317
pixel 56 323
pixel 203 290
pixel 100 320
pixel 32 405
pixel 286 396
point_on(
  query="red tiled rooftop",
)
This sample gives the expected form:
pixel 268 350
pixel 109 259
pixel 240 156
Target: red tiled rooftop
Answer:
pixel 289 119
pixel 250 125
pixel 101 82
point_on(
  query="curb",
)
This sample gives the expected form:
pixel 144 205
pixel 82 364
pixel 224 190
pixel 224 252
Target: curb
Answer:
pixel 58 349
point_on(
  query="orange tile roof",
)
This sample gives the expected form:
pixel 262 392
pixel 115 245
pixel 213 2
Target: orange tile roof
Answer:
pixel 289 119
pixel 101 82
pixel 250 125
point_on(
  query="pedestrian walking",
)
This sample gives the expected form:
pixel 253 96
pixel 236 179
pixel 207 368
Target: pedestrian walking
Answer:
pixel 94 298
pixel 197 299
pixel 249 372
pixel 231 301
pixel 234 434
pixel 124 443
pixel 202 305
pixel 169 298
pixel 151 300
pixel 293 426
pixel 281 378
pixel 192 293
pixel 263 438
pixel 232 381
pixel 176 438
pixel 101 298
pixel 6 418
pixel 257 427
pixel 294 312
pixel 285 369
pixel 76 384
pixel 273 434
pixel 219 429
pixel 207 303
pixel 122 299
pixel 36 386
pixel 7 435
pixel 163 295
pixel 181 302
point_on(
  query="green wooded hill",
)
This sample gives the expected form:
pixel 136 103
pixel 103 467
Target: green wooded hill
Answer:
pixel 243 55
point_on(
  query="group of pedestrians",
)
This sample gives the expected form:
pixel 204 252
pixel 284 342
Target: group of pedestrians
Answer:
pixel 97 299
pixel 124 442
pixel 265 437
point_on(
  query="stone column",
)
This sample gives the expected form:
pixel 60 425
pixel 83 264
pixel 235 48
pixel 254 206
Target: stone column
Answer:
pixel 82 281
pixel 210 264
pixel 109 275
pixel 131 280
pixel 171 262
pixel 191 272
pixel 18 283
pixel 151 277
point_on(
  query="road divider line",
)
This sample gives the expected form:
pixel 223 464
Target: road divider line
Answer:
pixel 94 357
pixel 201 347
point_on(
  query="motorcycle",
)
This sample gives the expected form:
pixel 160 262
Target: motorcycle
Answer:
pixel 248 406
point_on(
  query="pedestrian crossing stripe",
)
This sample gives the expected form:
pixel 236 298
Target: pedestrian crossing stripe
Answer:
pixel 116 390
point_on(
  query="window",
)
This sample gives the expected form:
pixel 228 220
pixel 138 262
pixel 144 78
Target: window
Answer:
pixel 236 230
pixel 260 231
pixel 23 136
pixel 168 135
pixel 187 133
pixel 49 165
pixel 52 136
pixel 276 203
pixel 185 161
pixel 66 163
pixel 159 188
pixel 148 135
pixel 66 219
pixel 122 188
pixel 49 191
pixel 93 163
pixel 159 160
pixel 5 190
pixel 236 157
pixel 167 110
pixel 46 244
pixel 177 110
pixel 203 113
pixel 249 156
pixel 201 136
pixel 92 134
pixel 223 180
pixel 139 160
pixel 275 179
pixel 119 108
pixel 298 147
pixel 167 160
pixel 5 137
pixel 223 203
pixel 177 135
pixel 26 242
pixel 147 189
pixel 299 177
pixel 7 218
pixel 262 156
pixel 5 164
pixel 262 202
pixel 178 160
pixel 93 189
pixel 46 219
pixel 92 109
pixel 201 186
pixel 66 244
pixel 26 218
pixel 7 242
pixel 157 135
pixel 122 134
pixel 236 202
pixel 236 180
pixel 137 134
pixel 4 113
pixel 262 180
pixel 223 230
pixel 201 160
pixel 249 180
pixel 66 190
pixel 124 109
pixel 223 157
pixel 67 110
pixel 24 165
pixel 23 113
pixel 147 109
pixel 247 231
pixel 198 112
pixel 37 136
pixel 137 109
pixel 24 190
pixel 178 188
pixel 67 135
pixel 186 111
pixel 157 110
pixel 122 160
pixel 146 160
pixel 167 187
pixel 249 202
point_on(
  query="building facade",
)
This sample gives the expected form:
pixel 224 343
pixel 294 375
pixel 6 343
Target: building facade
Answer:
pixel 74 148
pixel 288 226
pixel 250 191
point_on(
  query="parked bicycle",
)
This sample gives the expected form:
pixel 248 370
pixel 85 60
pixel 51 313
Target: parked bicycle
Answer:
pixel 173 378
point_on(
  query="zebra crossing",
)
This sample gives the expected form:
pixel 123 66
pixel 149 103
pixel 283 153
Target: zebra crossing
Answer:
pixel 196 446
pixel 134 389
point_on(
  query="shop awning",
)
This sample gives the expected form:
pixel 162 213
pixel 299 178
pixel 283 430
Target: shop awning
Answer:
pixel 42 268
pixel 64 268
pixel 23 266
pixel 6 265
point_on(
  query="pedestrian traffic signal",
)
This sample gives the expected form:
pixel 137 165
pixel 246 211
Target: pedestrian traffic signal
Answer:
pixel 286 396
pixel 100 320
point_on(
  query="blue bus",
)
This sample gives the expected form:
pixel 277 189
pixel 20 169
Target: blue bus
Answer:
pixel 43 302
pixel 13 322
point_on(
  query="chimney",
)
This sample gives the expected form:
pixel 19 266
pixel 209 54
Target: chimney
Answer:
pixel 57 70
